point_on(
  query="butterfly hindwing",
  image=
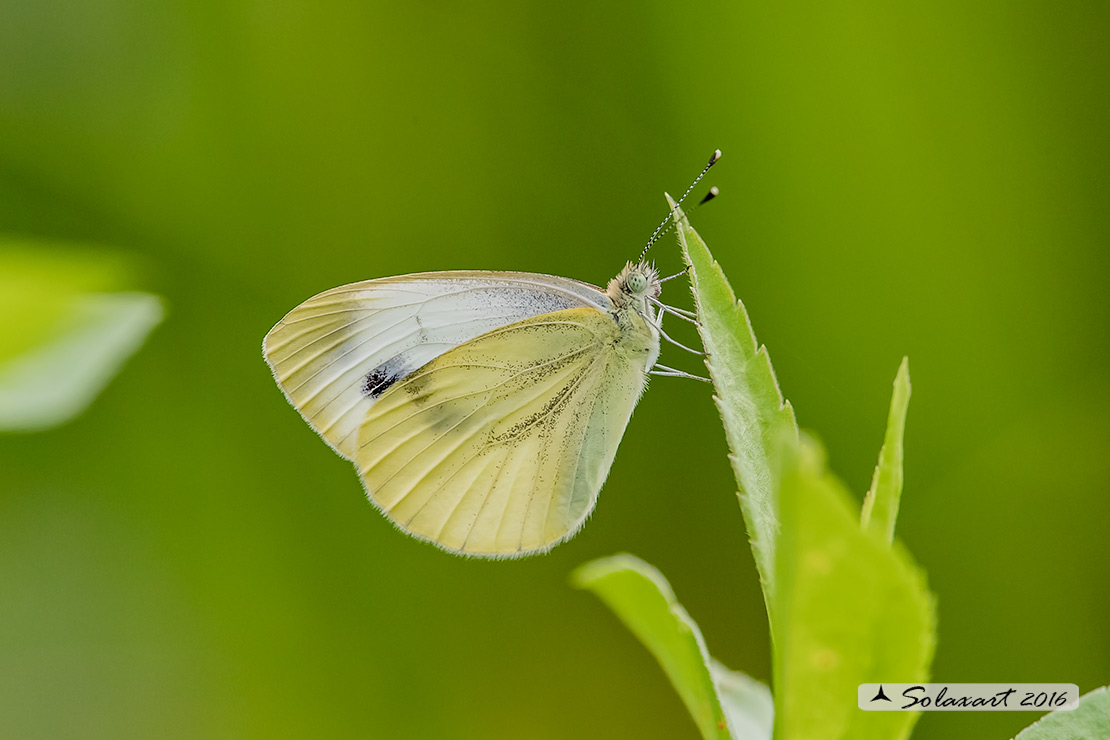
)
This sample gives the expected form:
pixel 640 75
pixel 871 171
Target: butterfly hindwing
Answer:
pixel 498 447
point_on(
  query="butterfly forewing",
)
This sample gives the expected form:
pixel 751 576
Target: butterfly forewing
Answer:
pixel 499 447
pixel 337 353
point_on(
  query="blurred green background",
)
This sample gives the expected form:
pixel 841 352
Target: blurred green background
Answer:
pixel 188 560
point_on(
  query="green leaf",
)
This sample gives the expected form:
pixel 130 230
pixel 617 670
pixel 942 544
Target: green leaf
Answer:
pixel 880 505
pixel 66 328
pixel 718 699
pixel 852 609
pixel 755 416
pixel 39 282
pixel 845 607
pixel 1089 721
pixel 747 703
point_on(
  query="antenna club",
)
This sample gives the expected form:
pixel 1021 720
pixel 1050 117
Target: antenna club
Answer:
pixel 715 157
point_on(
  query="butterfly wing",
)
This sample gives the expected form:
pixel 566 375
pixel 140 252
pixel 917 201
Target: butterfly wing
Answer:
pixel 338 352
pixel 499 447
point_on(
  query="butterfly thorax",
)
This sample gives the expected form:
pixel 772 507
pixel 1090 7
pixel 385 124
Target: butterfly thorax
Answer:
pixel 630 292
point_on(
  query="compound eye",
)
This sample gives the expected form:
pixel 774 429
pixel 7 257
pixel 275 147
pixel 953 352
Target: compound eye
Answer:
pixel 637 283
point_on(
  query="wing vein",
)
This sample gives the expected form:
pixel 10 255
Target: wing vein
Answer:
pixel 482 506
pixel 574 476
pixel 436 441
pixel 530 368
pixel 479 452
pixel 517 285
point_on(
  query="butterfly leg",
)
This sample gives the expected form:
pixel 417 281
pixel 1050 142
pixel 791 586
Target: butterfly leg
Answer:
pixel 680 313
pixel 680 345
pixel 676 275
pixel 670 372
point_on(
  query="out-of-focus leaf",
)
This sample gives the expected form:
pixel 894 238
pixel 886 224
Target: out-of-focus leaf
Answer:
pixel 39 282
pixel 747 703
pixel 852 609
pixel 880 506
pixel 718 699
pixel 755 416
pixel 64 331
pixel 1089 721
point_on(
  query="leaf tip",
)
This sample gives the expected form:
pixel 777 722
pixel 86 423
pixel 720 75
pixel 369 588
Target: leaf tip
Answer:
pixel 903 375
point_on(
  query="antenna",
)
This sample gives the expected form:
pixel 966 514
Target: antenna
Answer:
pixel 713 193
pixel 656 234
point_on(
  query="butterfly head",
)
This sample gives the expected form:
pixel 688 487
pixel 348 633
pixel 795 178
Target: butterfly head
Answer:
pixel 634 286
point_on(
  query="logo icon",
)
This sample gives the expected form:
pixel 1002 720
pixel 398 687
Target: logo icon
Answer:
pixel 881 696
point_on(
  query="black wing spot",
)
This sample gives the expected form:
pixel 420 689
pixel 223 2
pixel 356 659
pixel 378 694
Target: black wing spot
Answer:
pixel 379 380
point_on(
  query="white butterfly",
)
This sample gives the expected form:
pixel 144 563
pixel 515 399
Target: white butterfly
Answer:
pixel 481 409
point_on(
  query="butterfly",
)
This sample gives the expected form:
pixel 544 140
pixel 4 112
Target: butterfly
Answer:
pixel 482 409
